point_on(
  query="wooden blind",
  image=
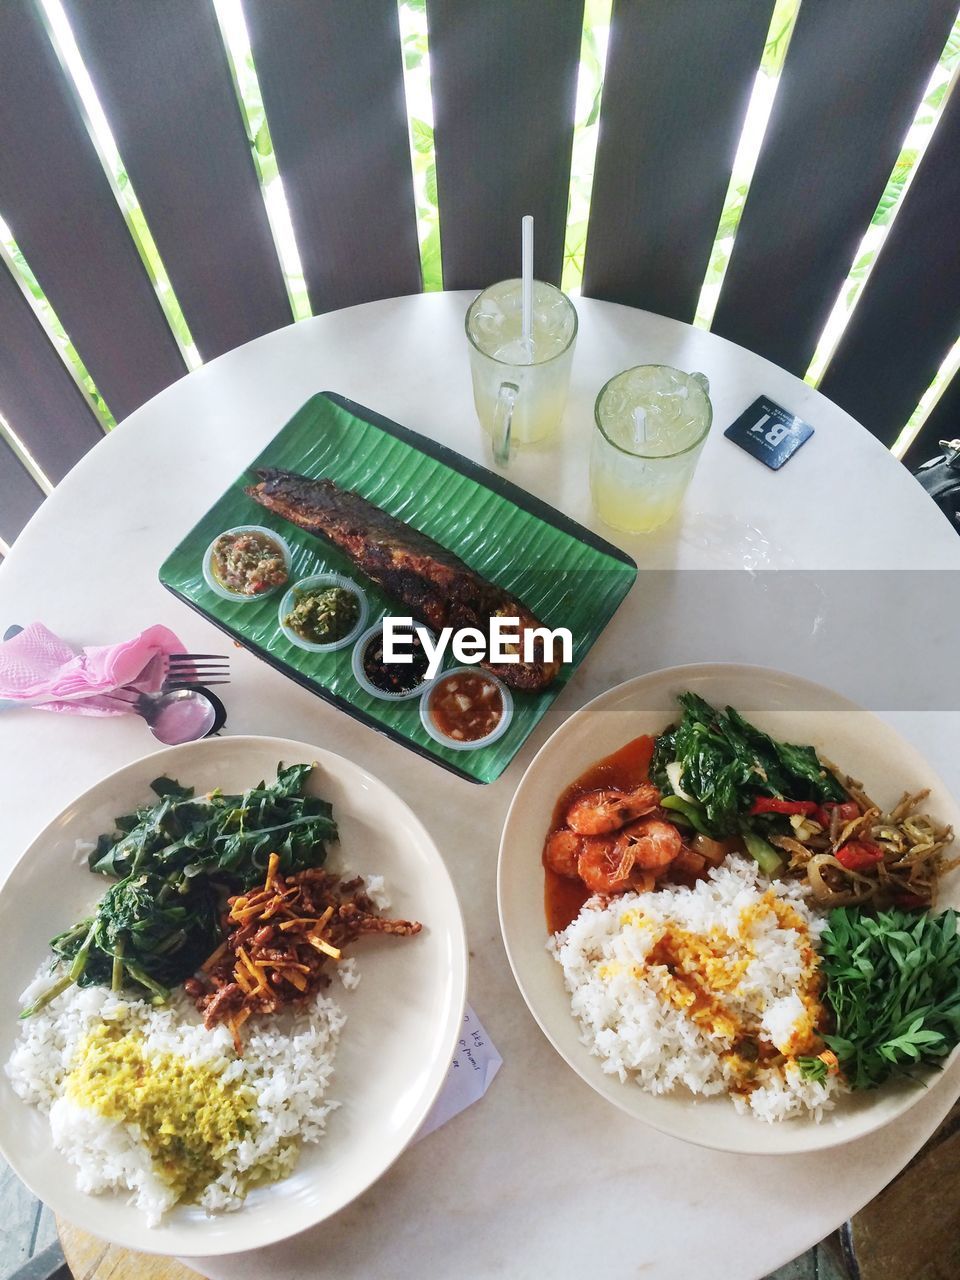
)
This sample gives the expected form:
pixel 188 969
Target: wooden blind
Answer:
pixel 162 75
pixel 56 199
pixel 676 91
pixel 853 77
pixel 504 78
pixel 38 397
pixel 331 75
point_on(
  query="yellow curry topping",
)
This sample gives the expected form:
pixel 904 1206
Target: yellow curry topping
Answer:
pixel 188 1116
pixel 702 974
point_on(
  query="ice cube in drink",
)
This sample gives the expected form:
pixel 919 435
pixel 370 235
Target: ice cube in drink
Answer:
pixel 538 366
pixel 651 424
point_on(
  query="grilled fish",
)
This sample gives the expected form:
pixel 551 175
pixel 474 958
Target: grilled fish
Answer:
pixel 435 585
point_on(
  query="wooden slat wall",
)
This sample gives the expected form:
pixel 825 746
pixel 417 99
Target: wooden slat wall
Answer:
pixel 58 203
pixel 854 75
pixel 331 75
pixel 38 397
pixel 504 79
pixel 163 78
pixel 908 316
pixel 19 494
pixel 678 81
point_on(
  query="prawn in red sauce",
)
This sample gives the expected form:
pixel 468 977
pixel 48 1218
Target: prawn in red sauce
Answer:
pixel 620 840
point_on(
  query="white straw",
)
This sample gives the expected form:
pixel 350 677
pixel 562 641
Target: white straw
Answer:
pixel 526 259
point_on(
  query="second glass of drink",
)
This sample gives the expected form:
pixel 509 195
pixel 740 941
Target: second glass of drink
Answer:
pixel 651 425
pixel 520 386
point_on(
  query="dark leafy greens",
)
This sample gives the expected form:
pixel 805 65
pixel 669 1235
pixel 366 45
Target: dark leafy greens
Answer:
pixel 229 837
pixel 173 862
pixel 725 764
pixel 893 983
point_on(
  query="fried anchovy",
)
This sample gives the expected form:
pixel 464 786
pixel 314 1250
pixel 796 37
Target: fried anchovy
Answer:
pixel 437 587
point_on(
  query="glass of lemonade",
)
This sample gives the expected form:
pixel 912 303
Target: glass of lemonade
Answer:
pixel 520 387
pixel 651 425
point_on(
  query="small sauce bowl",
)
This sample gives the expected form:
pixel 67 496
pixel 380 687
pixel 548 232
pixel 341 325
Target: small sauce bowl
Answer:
pixel 437 688
pixel 321 581
pixel 239 597
pixel 365 683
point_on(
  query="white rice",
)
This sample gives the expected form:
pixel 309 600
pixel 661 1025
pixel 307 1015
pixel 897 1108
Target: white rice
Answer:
pixel 377 892
pixel 287 1063
pixel 633 1008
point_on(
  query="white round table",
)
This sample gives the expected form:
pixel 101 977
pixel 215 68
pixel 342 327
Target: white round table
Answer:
pixel 541 1177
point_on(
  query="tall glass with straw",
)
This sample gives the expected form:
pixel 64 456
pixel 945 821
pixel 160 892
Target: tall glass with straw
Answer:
pixel 521 336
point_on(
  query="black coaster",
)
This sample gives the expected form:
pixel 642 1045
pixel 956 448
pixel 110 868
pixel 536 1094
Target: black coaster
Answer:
pixel 769 432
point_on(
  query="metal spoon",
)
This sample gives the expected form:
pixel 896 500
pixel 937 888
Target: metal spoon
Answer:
pixel 182 715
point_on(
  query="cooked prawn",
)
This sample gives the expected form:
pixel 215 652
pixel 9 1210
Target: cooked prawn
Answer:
pixel 561 852
pixel 645 847
pixel 599 812
pixel 602 869
pixel 653 843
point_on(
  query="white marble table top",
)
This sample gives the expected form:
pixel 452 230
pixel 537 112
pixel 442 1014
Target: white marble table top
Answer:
pixel 542 1177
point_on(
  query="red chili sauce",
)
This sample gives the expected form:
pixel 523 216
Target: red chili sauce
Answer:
pixel 623 771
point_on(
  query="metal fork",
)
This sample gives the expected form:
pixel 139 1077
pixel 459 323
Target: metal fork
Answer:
pixel 180 669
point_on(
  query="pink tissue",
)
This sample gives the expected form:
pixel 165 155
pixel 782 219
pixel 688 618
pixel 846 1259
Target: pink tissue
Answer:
pixel 39 669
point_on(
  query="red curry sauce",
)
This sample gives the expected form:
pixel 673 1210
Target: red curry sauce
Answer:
pixel 624 770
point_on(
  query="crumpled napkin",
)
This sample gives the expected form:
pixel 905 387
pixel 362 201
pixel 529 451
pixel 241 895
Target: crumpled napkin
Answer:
pixel 40 670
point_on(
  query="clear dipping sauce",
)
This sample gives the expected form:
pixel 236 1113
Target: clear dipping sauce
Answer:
pixel 466 707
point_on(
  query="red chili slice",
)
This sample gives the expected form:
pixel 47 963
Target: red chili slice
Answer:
pixel 846 812
pixel 773 804
pixel 858 855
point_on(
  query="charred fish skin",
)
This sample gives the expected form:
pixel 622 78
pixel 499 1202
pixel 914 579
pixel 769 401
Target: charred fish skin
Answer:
pixel 437 587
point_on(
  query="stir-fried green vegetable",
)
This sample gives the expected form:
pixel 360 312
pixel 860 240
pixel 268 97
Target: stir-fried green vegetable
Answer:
pixel 229 837
pixel 174 861
pixel 893 983
pixel 725 763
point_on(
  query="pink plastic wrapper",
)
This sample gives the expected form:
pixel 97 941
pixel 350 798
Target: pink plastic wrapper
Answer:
pixel 38 669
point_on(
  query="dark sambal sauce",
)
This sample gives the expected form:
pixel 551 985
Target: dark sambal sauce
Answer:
pixel 395 677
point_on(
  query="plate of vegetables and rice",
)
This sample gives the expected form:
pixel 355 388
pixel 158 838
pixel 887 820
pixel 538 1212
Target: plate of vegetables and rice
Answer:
pixel 235 979
pixel 727 897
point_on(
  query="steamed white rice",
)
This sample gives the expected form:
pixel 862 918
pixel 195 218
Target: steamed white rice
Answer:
pixel 676 987
pixel 287 1063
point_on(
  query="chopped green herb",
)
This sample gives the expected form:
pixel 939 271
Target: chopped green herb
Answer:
pixel 893 983
pixel 813 1069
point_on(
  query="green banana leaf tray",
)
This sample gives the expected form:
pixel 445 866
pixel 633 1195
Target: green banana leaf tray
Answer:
pixel 567 575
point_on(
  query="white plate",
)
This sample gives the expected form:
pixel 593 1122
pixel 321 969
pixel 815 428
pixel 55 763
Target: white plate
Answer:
pixel 402 1020
pixel 787 707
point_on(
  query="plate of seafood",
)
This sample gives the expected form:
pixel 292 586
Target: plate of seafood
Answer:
pixel 236 974
pixel 347 519
pixel 727 896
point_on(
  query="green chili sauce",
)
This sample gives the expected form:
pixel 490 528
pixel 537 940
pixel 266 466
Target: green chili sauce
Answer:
pixel 323 615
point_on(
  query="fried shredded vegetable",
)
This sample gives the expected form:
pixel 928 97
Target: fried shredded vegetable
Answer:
pixel 889 859
pixel 171 862
pixel 796 813
pixel 278 940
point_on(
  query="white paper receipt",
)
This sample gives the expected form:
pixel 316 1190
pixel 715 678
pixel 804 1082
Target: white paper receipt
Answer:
pixel 475 1063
